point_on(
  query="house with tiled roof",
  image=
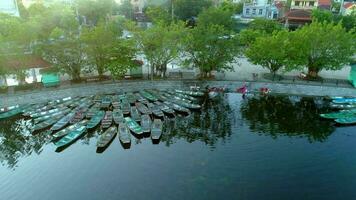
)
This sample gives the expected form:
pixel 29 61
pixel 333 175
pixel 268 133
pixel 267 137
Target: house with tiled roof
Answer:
pixel 304 4
pixel 296 18
pixel 348 8
pixel 324 4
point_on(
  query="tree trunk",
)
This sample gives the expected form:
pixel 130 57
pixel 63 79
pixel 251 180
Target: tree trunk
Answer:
pixel 313 72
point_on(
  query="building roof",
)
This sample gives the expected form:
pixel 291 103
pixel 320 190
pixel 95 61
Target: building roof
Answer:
pixel 26 62
pixel 324 2
pixel 298 14
pixel 348 5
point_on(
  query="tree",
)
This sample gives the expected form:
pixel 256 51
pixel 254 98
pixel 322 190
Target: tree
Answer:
pixel 270 51
pixel 217 16
pixel 95 10
pixel 126 9
pixel 322 16
pixel 107 50
pixel 186 9
pixel 321 46
pixel 235 8
pixel 160 44
pixel 157 14
pixel 208 48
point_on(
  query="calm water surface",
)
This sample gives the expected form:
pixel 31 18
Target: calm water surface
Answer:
pixel 262 148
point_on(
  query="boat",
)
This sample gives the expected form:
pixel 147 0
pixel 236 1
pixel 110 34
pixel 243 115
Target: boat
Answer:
pixel 133 126
pixel 43 108
pixel 106 101
pixel 342 106
pixel 350 120
pixel 176 98
pixel 131 98
pixel 148 96
pixel 345 100
pixel 158 95
pixel 187 105
pixel 124 134
pixel 96 119
pixel 107 120
pixel 125 107
pixel 62 122
pixel 107 137
pixel 184 96
pixel 146 123
pixel 116 103
pixel 71 137
pixel 97 98
pixel 11 113
pixel 135 115
pixel 78 116
pixel 191 93
pixel 213 94
pixel 7 109
pixel 140 98
pixel 44 113
pixel 177 107
pixel 59 101
pixel 155 110
pixel 156 129
pixel 43 118
pixel 142 108
pixel 47 123
pixel 69 129
pixel 93 110
pixel 118 116
pixel 165 108
pixel 340 114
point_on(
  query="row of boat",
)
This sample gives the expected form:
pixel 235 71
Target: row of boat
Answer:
pixel 346 113
pixel 118 114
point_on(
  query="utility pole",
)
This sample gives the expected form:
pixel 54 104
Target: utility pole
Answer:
pixel 172 7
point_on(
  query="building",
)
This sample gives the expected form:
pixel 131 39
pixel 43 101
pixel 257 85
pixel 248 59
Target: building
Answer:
pixel 295 18
pixel 304 4
pixel 9 7
pixel 348 8
pixel 28 3
pixel 260 8
pixel 324 4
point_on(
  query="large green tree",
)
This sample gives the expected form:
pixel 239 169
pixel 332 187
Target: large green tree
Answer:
pixel 207 48
pixel 270 52
pixel 319 46
pixel 160 44
pixel 218 16
pixel 186 9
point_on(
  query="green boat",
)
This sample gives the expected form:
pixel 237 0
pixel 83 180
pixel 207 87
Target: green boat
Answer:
pixel 71 137
pixel 341 114
pixel 106 137
pixel 191 93
pixel 7 109
pixel 140 98
pixel 118 116
pixel 124 134
pixel 44 113
pixel 135 114
pixel 47 123
pixel 106 101
pixel 11 113
pixel 62 122
pixel 93 110
pixel 146 123
pixel 351 120
pixel 133 126
pixel 69 129
pixel 142 108
pixel 96 119
pixel 125 107
pixel 131 98
pixel 107 120
pixel 43 118
pixel 148 96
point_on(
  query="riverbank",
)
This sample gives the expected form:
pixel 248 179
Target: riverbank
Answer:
pixel 46 94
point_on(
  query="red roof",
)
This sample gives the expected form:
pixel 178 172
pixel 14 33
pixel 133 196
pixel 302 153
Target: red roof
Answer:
pixel 304 15
pixel 25 62
pixel 324 2
pixel 348 5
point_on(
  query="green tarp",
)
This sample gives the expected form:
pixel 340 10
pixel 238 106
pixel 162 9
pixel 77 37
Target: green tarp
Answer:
pixel 50 80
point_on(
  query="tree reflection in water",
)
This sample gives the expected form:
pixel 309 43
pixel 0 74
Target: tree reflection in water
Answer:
pixel 287 115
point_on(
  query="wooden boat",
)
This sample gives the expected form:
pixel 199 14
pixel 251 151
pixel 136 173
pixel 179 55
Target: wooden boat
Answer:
pixel 142 108
pixel 140 98
pixel 11 113
pixel 125 107
pixel 107 137
pixel 131 98
pixel 342 106
pixel 146 123
pixel 158 95
pixel 133 126
pixel 213 94
pixel 69 129
pixel 106 101
pixel 165 108
pixel 47 123
pixel 59 101
pixel 107 120
pixel 116 103
pixel 43 108
pixel 96 119
pixel 135 115
pixel 350 120
pixel 156 129
pixel 71 137
pixel 184 96
pixel 44 113
pixel 176 98
pixel 93 110
pixel 78 116
pixel 191 93
pixel 345 100
pixel 124 134
pixel 340 114
pixel 177 107
pixel 155 110
pixel 60 112
pixel 148 96
pixel 118 116
pixel 187 105
pixel 62 122
pixel 7 109
pixel 97 98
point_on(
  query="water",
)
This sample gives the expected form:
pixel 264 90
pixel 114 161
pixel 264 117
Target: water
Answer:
pixel 236 149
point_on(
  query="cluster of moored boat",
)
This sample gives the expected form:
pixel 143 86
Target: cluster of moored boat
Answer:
pixel 124 113
pixel 346 113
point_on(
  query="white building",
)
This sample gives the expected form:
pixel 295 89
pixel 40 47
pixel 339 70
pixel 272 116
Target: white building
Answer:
pixel 260 8
pixel 9 7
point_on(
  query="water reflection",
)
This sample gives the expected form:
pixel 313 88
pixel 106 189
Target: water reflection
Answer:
pixel 287 115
